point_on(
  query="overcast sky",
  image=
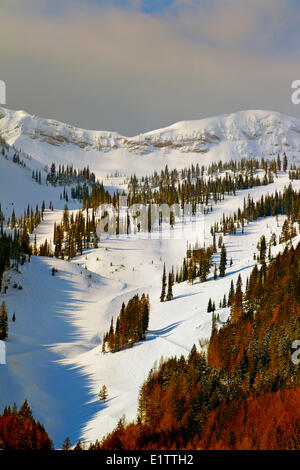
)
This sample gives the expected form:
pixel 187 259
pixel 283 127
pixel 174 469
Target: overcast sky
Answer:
pixel 137 65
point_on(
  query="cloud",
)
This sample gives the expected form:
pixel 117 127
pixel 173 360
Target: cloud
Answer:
pixel 120 68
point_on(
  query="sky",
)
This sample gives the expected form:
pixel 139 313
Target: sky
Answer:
pixel 135 65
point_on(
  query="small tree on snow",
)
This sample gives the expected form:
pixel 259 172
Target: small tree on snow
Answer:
pixel 103 394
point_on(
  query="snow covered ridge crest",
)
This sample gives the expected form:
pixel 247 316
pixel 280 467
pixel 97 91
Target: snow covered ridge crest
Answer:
pixel 243 134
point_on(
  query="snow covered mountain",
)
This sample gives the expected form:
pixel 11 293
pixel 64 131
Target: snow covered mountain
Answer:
pixel 54 350
pixel 252 133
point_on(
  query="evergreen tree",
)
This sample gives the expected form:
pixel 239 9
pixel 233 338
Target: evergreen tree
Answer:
pixel 3 322
pixel 214 243
pixel 285 162
pixel 131 324
pixel 237 302
pixel 25 410
pixel 262 249
pixel 213 323
pixel 66 445
pixel 288 231
pixel 215 272
pixel 231 293
pixel 164 285
pixel 223 261
pixel 170 290
pixel 278 163
pixel 79 446
pixel 103 394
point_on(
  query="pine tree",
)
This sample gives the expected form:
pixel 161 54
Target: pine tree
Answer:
pixel 13 219
pixel 237 302
pixel 3 322
pixel 262 249
pixel 214 243
pixel 220 241
pixel 215 272
pixel 66 217
pixel 103 394
pixel 170 290
pixel 213 323
pixel 25 410
pixel 66 444
pixel 231 294
pixel 131 324
pixel 79 446
pixel 164 285
pixel 285 232
pixel 278 163
pixel 285 162
pixel 223 261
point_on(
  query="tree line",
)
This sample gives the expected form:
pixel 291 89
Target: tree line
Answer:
pixel 240 395
pixel 66 175
pixel 130 326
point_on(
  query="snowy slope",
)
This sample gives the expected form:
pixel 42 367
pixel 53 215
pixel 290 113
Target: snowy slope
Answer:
pixel 42 309
pixel 252 133
pixel 17 189
pixel 54 348
pixel 54 356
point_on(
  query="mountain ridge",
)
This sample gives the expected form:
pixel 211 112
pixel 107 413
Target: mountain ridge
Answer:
pixel 243 134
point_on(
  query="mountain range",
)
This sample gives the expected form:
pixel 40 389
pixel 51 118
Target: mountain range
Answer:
pixel 244 134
